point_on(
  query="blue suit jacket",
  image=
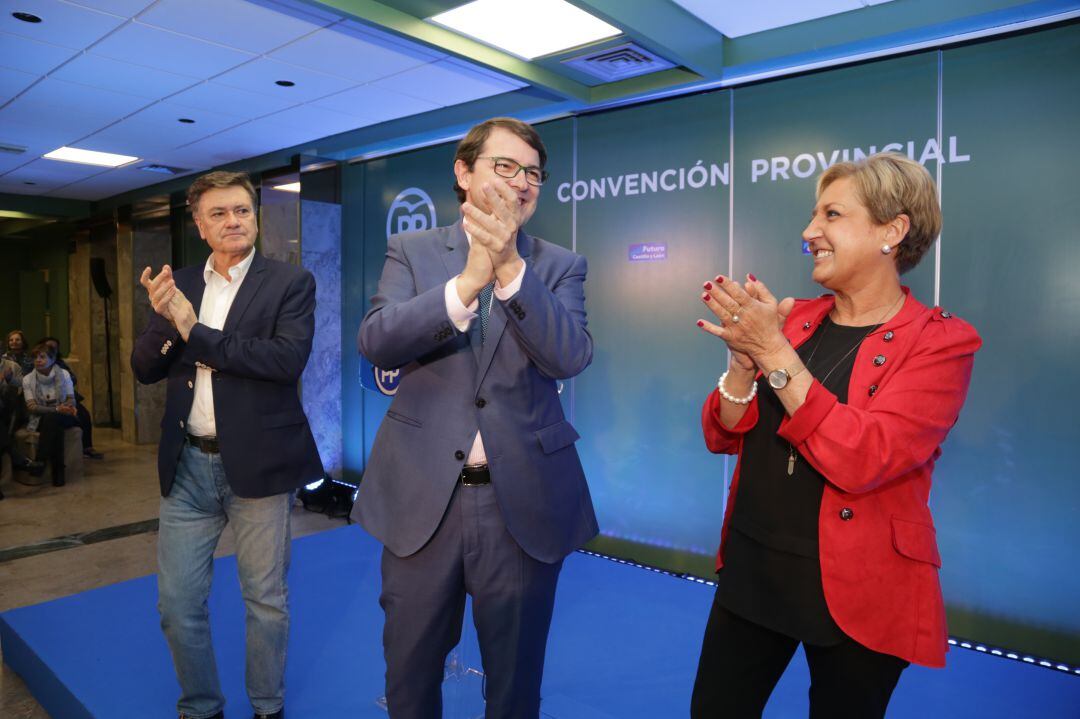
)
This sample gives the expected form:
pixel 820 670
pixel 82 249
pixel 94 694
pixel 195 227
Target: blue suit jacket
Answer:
pixel 450 386
pixel 258 357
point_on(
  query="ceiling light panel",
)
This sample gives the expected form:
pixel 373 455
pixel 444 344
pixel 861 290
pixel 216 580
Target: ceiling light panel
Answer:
pixel 89 157
pixel 235 23
pixel 61 23
pixel 526 28
pixel 735 19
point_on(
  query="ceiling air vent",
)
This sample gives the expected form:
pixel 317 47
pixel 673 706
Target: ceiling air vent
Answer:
pixel 619 63
pixel 12 149
pixel 164 169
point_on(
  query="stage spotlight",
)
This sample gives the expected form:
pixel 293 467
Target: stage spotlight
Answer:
pixel 329 496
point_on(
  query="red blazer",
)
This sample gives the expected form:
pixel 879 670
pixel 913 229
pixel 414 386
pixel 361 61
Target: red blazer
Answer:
pixel 879 555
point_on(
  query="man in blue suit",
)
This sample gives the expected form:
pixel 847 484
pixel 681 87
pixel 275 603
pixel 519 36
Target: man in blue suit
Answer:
pixel 474 485
pixel 231 339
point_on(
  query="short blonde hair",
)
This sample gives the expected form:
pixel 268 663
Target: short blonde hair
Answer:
pixel 217 180
pixel 890 184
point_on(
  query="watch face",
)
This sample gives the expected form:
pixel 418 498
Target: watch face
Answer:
pixel 778 379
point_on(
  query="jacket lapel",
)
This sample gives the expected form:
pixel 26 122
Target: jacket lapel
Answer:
pixel 457 250
pixel 246 293
pixel 497 318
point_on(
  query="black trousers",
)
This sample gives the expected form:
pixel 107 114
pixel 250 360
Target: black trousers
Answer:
pixel 87 424
pixel 741 662
pixel 51 443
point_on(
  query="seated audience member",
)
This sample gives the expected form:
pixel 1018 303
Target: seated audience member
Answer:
pixel 12 415
pixel 50 401
pixel 82 414
pixel 15 350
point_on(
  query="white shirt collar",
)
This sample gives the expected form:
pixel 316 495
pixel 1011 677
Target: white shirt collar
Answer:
pixel 236 272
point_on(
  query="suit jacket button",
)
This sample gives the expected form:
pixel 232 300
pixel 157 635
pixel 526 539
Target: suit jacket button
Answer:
pixel 879 360
pixel 872 390
pixel 846 514
pixel 181 424
pixel 481 402
pixel 190 384
pixel 888 336
pixel 806 325
pixel 459 455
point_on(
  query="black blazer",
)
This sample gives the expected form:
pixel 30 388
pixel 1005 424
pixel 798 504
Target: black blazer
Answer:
pixel 257 357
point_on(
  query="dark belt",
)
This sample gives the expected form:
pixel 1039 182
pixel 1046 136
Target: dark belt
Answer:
pixel 475 476
pixel 206 444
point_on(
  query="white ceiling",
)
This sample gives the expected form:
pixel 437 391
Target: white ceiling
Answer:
pixel 117 76
pixel 736 19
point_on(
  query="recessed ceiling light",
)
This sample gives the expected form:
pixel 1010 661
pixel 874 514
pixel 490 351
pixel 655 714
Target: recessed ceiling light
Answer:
pixel 26 17
pixel 285 83
pixel 186 120
pixel 89 157
pixel 290 187
pixel 541 27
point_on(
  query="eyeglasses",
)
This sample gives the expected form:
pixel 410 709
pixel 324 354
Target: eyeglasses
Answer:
pixel 505 167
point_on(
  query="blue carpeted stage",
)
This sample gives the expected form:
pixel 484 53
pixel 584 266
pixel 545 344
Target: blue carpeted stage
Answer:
pixel 624 645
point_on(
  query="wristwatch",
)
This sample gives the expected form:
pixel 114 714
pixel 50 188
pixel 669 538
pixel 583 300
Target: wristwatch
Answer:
pixel 779 378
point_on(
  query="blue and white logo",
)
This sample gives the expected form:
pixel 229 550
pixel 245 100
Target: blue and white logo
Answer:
pixel 411 211
pixel 376 379
pixel 386 380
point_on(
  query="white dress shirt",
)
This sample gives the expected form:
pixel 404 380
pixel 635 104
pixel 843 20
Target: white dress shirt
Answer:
pixel 217 299
pixel 463 316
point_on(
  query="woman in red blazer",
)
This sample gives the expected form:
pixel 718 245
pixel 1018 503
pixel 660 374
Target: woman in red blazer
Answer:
pixel 836 408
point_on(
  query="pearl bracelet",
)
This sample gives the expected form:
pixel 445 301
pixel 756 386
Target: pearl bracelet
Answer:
pixel 729 397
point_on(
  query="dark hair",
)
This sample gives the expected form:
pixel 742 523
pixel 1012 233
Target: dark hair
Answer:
pixel 219 180
pixel 55 340
pixel 472 144
pixel 43 347
pixel 13 333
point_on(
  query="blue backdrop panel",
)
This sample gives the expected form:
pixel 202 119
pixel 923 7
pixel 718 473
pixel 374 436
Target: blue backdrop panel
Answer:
pixel 652 214
pixel 1009 499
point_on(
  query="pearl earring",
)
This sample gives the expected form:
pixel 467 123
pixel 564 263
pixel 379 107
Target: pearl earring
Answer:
pixel 885 249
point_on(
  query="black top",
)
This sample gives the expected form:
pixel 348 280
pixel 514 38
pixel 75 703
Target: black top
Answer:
pixel 772 571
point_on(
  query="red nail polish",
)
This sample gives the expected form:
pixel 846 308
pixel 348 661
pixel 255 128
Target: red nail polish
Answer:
pixel 708 285
pixel 751 276
pixel 719 279
pixel 701 323
pixel 705 297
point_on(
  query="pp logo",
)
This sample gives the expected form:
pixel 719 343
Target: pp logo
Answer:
pixel 411 211
pixel 387 380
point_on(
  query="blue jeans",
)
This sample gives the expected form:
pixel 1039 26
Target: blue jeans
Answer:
pixel 197 509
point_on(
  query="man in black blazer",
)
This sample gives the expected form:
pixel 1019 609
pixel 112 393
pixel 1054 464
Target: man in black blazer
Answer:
pixel 231 339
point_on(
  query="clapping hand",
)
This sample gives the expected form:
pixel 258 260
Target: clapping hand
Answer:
pixel 496 230
pixel 750 319
pixel 168 301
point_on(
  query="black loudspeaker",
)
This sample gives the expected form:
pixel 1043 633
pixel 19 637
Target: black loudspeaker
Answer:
pixel 101 281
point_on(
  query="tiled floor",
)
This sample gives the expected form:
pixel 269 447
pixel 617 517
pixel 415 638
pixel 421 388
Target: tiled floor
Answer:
pixel 119 490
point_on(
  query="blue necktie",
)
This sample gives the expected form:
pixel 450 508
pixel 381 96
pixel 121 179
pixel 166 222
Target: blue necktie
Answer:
pixel 485 305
